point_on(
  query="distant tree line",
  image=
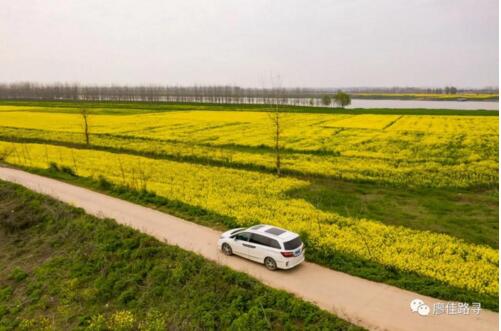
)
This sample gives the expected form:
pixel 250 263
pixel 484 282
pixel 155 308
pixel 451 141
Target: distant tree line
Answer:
pixel 208 94
pixel 212 94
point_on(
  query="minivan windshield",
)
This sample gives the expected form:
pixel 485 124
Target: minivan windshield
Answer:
pixel 236 230
pixel 293 244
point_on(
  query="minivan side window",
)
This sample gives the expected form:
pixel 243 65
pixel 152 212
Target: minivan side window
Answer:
pixel 258 239
pixel 244 236
pixel 265 241
pixel 274 243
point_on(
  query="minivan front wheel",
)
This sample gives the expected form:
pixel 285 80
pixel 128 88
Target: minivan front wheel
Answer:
pixel 270 264
pixel 227 249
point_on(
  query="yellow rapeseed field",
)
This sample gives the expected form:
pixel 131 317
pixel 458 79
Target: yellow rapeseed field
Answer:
pixel 434 151
pixel 253 197
pixel 169 153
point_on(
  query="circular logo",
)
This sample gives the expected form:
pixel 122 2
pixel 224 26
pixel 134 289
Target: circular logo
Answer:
pixel 424 310
pixel 415 304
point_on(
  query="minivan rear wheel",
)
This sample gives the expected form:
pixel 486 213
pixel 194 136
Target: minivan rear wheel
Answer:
pixel 227 249
pixel 270 264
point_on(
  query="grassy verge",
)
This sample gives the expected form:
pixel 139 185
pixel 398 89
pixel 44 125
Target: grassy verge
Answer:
pixel 117 108
pixel 333 259
pixel 470 214
pixel 63 269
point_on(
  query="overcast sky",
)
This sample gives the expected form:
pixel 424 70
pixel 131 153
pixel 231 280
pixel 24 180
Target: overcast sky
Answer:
pixel 318 43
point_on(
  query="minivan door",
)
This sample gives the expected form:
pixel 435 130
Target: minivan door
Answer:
pixel 241 243
pixel 258 247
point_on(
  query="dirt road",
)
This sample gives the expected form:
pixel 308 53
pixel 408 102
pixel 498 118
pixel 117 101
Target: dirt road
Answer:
pixel 369 304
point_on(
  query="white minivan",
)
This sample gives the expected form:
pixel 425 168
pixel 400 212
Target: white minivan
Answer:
pixel 276 248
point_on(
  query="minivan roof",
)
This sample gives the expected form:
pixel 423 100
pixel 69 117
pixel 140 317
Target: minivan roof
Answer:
pixel 274 232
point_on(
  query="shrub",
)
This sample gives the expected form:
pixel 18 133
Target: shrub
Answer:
pixel 122 320
pixel 18 274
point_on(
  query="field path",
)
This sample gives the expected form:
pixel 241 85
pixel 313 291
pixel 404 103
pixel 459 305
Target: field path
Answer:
pixel 369 304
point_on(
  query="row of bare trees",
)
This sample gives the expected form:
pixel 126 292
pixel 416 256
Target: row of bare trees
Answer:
pixel 208 94
pixel 215 94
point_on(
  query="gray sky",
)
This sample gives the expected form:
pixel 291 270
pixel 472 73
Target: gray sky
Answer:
pixel 316 43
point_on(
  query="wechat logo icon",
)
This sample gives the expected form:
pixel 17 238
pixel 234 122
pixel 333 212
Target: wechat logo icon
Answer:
pixel 418 306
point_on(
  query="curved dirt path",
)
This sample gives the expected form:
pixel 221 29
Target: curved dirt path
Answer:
pixel 369 304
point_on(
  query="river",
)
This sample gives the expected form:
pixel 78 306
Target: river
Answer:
pixel 355 103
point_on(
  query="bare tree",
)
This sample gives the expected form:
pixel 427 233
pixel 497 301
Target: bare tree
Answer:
pixel 276 117
pixel 122 171
pixel 85 118
pixel 144 176
pixel 75 164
